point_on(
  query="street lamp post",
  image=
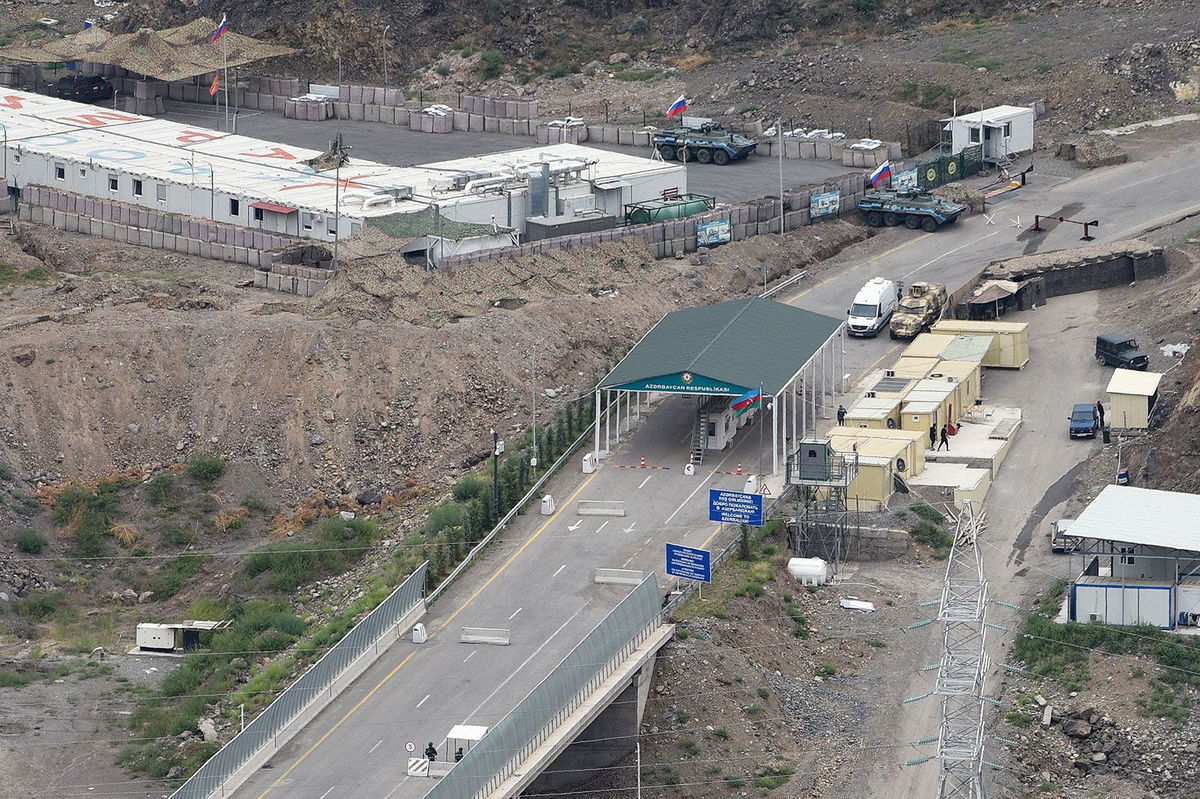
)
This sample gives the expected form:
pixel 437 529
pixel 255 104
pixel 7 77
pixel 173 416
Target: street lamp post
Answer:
pixel 495 475
pixel 386 85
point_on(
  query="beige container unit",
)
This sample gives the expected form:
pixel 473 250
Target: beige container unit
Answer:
pixel 1131 398
pixel 928 345
pixel 874 484
pixel 874 413
pixel 908 444
pixel 1009 351
pixel 967 378
pixel 917 417
pixel 914 368
pixel 970 348
pixel 939 392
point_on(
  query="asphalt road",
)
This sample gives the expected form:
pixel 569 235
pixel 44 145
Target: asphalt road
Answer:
pixel 539 582
pixel 392 144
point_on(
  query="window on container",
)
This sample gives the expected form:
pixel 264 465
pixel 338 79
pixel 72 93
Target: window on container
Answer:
pixel 235 206
pixel 82 172
pixel 332 231
pixel 112 183
pixel 1126 556
pixel 16 158
pixel 160 191
pixel 60 172
pixel 258 214
pixel 974 135
pixel 137 188
pixel 1007 129
pixel 308 224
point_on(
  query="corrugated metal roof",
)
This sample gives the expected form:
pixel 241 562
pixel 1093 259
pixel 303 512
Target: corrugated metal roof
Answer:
pixel 1130 381
pixel 741 342
pixel 1147 516
pixel 188 155
pixel 999 113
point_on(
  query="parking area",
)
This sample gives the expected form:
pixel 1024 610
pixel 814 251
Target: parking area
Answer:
pixel 393 144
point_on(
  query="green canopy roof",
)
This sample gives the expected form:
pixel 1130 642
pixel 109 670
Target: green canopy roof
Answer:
pixel 727 348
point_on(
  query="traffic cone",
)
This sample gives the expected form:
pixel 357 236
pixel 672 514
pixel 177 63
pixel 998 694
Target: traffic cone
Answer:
pixel 739 471
pixel 642 465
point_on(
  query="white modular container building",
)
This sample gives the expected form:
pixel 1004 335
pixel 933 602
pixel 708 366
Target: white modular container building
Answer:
pixel 185 169
pixel 1004 131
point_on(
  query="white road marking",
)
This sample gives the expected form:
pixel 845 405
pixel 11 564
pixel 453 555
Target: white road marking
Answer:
pixel 468 657
pixel 627 560
pixel 376 746
pixel 575 526
pixel 523 665
pixel 647 480
pixel 331 787
pixel 694 492
pixel 950 252
pixel 392 792
pixel 514 613
pixel 602 526
pixel 423 701
pixel 560 568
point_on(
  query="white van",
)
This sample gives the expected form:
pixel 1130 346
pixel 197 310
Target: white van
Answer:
pixel 872 307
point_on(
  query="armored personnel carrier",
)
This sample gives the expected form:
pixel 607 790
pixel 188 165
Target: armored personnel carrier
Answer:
pixel 707 144
pixel 911 209
pixel 918 310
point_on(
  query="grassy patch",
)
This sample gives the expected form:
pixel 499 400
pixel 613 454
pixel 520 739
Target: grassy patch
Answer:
pixel 825 669
pixel 12 679
pixel 287 565
pixel 636 75
pixel 172 575
pixel 160 487
pixel 205 468
pixel 30 541
pixel 491 64
pixel 771 777
pixel 11 275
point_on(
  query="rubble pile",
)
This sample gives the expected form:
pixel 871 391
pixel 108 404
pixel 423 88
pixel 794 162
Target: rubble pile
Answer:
pixel 1161 67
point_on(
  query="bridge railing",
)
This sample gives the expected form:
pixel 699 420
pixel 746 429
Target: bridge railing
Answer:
pixel 267 729
pixel 593 660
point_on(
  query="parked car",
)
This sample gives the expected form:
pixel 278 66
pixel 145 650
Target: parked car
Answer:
pixel 873 306
pixel 1084 422
pixel 1059 540
pixel 84 88
pixel 1115 349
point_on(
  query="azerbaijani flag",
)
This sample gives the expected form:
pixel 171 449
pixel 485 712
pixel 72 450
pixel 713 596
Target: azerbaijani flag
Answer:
pixel 747 402
pixel 677 107
pixel 221 29
pixel 881 173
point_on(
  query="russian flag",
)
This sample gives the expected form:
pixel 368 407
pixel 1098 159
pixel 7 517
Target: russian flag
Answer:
pixel 677 107
pixel 882 172
pixel 747 402
pixel 221 29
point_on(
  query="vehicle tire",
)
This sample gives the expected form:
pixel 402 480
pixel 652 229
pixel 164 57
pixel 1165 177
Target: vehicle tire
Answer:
pixel 890 219
pixel 667 152
pixel 892 334
pixel 912 222
pixel 704 155
pixel 682 154
pixel 720 157
pixel 929 224
pixel 1100 360
pixel 874 218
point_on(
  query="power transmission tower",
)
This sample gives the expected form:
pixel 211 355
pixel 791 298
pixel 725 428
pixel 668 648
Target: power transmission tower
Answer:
pixel 961 673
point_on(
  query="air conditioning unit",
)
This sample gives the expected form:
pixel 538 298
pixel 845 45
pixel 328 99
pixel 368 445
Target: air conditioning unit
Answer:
pixel 889 372
pixel 870 395
pixel 1093 617
pixel 952 379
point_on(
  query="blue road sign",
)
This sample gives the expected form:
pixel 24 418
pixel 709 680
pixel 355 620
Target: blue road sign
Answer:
pixel 734 507
pixel 689 563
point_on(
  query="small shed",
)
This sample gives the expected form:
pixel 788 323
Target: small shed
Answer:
pixel 1003 131
pixel 1010 347
pixel 878 413
pixel 1131 397
pixel 464 737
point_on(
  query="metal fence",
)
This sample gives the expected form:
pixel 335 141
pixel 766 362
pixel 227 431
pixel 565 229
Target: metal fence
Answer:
pixel 949 168
pixel 509 743
pixel 265 728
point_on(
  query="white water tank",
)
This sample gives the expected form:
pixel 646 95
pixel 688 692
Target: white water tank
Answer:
pixel 809 571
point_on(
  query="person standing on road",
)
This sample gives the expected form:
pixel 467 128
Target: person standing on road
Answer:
pixel 1100 413
pixel 458 755
pixel 945 439
pixel 431 752
pixel 841 415
pixel 933 436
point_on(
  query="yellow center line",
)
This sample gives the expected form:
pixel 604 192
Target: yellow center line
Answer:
pixel 443 626
pixel 884 254
pixel 708 540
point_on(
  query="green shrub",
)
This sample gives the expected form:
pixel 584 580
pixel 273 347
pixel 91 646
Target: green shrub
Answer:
pixel 491 63
pixel 176 535
pixel 470 487
pixel 933 534
pixel 205 468
pixel 291 564
pixel 6 472
pixel 172 574
pixel 159 489
pixel 443 517
pixel 826 669
pixel 12 679
pixel 639 26
pixel 39 605
pixel 30 541
pixel 562 69
pixel 636 75
pixel 442 69
pixel 254 503
pixel 928 513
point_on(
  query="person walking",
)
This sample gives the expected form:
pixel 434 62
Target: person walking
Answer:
pixel 431 752
pixel 933 436
pixel 945 439
pixel 1100 413
pixel 841 414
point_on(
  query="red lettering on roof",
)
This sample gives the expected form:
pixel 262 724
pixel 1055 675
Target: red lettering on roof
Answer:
pixel 345 183
pixel 276 152
pixel 100 119
pixel 193 136
pixel 12 101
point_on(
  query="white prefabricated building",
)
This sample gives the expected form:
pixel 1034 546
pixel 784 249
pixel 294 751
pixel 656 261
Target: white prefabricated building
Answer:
pixel 1004 130
pixel 189 170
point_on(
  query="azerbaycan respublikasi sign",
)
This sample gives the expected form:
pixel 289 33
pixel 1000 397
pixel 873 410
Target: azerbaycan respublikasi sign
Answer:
pixel 682 383
pixel 734 507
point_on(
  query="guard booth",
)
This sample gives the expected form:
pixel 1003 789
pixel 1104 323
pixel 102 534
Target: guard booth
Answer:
pixel 1131 398
pixel 738 362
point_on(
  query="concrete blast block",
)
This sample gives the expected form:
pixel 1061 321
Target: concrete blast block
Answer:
pixel 356 111
pixel 403 117
pixel 462 120
pixel 371 113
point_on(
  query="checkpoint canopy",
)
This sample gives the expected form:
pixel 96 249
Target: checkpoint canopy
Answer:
pixel 731 348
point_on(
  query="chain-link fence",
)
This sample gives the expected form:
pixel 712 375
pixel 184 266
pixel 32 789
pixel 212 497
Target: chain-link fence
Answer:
pixel 267 727
pixel 589 664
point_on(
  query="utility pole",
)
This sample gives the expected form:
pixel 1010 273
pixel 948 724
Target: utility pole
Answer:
pixel 533 398
pixel 964 662
pixel 495 474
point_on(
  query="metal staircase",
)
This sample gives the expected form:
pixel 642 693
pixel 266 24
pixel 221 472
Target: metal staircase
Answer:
pixel 699 434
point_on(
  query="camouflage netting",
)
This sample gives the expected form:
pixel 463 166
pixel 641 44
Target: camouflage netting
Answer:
pixel 173 54
pixel 1025 266
pixel 427 222
pixel 1093 150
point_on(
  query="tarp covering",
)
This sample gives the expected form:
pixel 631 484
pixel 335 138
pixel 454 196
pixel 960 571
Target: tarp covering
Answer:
pixel 173 54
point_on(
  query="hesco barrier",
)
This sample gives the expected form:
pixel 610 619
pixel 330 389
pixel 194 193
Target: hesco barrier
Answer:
pixel 271 727
pixel 506 745
pixel 949 168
